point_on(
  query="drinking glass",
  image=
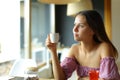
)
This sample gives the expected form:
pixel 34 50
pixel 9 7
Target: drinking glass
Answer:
pixel 93 74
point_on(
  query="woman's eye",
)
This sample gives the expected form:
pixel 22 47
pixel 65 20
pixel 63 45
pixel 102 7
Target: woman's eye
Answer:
pixel 81 26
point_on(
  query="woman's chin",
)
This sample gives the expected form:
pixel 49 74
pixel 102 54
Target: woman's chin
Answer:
pixel 76 39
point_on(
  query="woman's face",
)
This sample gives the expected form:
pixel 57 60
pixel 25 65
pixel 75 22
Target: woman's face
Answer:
pixel 81 30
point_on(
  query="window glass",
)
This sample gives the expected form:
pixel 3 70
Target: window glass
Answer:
pixel 40 27
pixel 9 30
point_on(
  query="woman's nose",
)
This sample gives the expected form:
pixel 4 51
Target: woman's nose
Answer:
pixel 75 29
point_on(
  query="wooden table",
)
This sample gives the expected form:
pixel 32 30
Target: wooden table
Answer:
pixel 45 79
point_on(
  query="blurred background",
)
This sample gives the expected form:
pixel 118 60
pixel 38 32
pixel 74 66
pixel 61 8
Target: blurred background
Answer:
pixel 25 25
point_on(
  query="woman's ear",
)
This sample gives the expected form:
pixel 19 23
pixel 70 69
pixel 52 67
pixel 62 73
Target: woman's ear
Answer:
pixel 92 32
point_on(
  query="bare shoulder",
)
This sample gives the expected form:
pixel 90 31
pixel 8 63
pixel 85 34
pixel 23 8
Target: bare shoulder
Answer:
pixel 74 46
pixel 73 50
pixel 106 50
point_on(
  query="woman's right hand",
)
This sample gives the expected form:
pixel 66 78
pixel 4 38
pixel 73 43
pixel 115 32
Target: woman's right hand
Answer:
pixel 51 46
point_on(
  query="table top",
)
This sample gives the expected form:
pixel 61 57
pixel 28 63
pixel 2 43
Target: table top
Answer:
pixel 45 79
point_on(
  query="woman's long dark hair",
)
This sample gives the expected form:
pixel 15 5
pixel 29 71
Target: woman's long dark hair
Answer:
pixel 95 22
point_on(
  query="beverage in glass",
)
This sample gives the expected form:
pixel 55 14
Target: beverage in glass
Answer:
pixel 93 74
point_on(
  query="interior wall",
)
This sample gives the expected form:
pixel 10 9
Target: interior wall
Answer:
pixel 116 24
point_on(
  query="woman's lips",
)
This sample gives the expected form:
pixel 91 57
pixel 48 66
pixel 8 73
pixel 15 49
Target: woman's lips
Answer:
pixel 76 35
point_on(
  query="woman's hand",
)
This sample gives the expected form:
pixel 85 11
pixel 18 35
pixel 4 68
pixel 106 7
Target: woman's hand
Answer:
pixel 51 46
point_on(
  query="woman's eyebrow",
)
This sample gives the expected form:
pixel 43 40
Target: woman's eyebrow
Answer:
pixel 79 22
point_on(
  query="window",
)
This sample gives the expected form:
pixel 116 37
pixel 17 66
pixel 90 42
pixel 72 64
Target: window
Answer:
pixel 9 30
pixel 35 25
pixel 9 34
pixel 14 33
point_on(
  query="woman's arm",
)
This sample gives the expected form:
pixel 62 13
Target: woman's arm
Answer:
pixel 108 67
pixel 57 70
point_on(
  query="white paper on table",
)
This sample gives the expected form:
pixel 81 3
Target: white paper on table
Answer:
pixel 19 67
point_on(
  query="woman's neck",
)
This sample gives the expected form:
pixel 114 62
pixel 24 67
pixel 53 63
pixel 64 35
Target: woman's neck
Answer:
pixel 88 46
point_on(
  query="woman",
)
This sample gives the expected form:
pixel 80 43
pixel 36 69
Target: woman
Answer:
pixel 94 50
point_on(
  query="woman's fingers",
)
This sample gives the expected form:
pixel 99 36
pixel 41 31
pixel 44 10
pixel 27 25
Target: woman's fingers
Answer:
pixel 51 46
pixel 48 41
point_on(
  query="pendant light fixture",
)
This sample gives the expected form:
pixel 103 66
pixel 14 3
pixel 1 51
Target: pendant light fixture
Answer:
pixel 73 8
pixel 59 2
